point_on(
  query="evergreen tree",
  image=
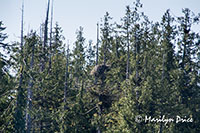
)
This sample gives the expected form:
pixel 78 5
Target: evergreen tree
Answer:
pixel 188 75
pixel 6 85
pixel 19 122
pixel 78 55
pixel 90 54
pixel 106 39
pixel 167 64
pixel 142 69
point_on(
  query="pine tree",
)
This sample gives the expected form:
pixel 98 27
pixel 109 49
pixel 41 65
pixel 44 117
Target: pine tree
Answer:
pixel 168 66
pixel 106 38
pixel 138 68
pixel 19 122
pixel 49 98
pixel 32 40
pixel 127 27
pixel 78 55
pixel 90 54
pixel 6 85
pixel 188 78
pixel 66 79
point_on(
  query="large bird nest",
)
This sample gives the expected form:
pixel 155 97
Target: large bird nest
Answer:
pixel 99 70
pixel 103 94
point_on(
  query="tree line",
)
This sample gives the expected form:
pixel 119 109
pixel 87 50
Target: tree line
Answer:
pixel 137 69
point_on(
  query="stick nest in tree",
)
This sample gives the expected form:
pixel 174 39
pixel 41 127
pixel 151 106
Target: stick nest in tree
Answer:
pixel 98 70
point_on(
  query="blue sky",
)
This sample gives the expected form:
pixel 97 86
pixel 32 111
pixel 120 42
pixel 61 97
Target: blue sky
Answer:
pixel 70 14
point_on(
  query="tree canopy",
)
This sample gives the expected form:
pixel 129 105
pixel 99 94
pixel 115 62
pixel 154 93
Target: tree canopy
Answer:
pixel 141 76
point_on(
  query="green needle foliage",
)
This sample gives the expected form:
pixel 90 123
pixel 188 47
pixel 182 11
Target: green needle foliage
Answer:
pixel 147 70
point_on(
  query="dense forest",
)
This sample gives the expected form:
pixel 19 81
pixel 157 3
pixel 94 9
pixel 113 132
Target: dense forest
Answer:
pixel 140 77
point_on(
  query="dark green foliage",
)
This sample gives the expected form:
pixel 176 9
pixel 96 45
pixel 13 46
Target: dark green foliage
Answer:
pixel 145 69
pixel 7 93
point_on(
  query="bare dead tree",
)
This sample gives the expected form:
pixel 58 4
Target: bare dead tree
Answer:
pixel 29 90
pixel 21 44
pixel 46 26
pixel 50 43
pixel 19 119
pixel 97 58
pixel 21 47
pixel 43 60
pixel 45 36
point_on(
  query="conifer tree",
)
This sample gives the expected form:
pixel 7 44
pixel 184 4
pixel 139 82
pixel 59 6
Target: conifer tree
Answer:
pixel 188 79
pixel 66 78
pixel 78 55
pixel 97 45
pixel 7 101
pixel 106 30
pixel 32 40
pixel 90 54
pixel 50 38
pixel 19 122
pixel 127 27
pixel 168 66
pixel 143 69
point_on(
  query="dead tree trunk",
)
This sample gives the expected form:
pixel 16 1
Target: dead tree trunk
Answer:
pixel 97 58
pixel 29 93
pixel 50 43
pixel 19 119
pixel 21 45
pixel 43 60
pixel 45 38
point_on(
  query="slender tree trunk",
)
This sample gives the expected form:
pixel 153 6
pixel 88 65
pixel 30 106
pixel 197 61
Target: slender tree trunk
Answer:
pixel 43 60
pixel 145 60
pixel 22 42
pixel 162 83
pixel 99 113
pixel 46 27
pixel 106 48
pixel 136 58
pixel 97 50
pixel 137 52
pixel 100 106
pixel 19 119
pixel 128 55
pixel 22 29
pixel 50 43
pixel 183 57
pixel 66 78
pixel 117 46
pixel 97 56
pixel 97 46
pixel 45 37
pixel 30 95
pixel 104 58
pixel 184 45
pixel 163 68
